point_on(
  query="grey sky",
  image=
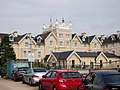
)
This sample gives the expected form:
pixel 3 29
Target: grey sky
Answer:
pixel 90 16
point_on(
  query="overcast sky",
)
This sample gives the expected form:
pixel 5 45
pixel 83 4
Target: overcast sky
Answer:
pixel 90 16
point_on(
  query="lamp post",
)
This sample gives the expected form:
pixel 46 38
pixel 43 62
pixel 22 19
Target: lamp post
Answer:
pixel 31 55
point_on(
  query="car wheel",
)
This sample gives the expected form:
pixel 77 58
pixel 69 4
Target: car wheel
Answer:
pixel 30 82
pixel 23 81
pixel 11 77
pixel 14 78
pixel 40 86
pixel 54 88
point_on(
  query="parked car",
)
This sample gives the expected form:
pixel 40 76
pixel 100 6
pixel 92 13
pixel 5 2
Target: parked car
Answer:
pixel 102 80
pixel 18 73
pixel 60 80
pixel 33 75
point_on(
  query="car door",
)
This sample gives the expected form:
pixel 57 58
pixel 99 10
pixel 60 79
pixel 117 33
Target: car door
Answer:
pixel 27 75
pixel 52 80
pixel 89 81
pixel 94 82
pixel 45 80
pixel 97 82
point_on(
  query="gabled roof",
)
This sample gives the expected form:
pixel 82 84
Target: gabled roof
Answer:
pixel 18 38
pixel 46 57
pixel 75 35
pixel 109 39
pixel 65 55
pixel 110 55
pixel 62 55
pixel 43 36
pixel 88 54
pixel 88 39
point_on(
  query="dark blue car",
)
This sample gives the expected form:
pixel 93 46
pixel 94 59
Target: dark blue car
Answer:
pixel 102 80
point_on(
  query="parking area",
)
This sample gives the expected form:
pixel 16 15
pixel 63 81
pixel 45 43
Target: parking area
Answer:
pixel 8 84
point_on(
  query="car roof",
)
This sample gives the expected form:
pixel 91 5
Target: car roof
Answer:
pixel 64 71
pixel 106 72
pixel 22 67
pixel 37 68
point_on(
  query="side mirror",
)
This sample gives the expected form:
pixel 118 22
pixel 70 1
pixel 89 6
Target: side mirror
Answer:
pixel 44 76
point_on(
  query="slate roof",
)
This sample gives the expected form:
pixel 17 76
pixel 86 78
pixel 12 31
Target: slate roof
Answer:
pixel 43 36
pixel 46 57
pixel 73 35
pixel 88 39
pixel 110 55
pixel 88 54
pixel 109 39
pixel 65 55
pixel 18 38
pixel 62 55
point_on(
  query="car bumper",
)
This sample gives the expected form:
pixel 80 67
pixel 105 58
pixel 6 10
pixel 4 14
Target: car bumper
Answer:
pixel 35 80
pixel 64 87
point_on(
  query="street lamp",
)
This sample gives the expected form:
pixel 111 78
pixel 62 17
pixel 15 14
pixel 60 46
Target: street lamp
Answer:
pixel 31 55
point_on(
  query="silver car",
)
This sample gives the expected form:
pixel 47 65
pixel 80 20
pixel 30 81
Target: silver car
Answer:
pixel 33 75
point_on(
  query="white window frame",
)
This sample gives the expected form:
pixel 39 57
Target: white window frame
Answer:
pixel 51 43
pixel 61 43
pixel 39 40
pixel 11 38
pixel 67 44
pixel 75 44
pixel 113 45
pixel 24 54
pixel 26 44
pixel 67 36
pixel 39 54
pixel 95 45
pixel 60 36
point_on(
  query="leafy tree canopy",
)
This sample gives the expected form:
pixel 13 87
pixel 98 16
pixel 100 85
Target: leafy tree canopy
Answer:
pixel 6 51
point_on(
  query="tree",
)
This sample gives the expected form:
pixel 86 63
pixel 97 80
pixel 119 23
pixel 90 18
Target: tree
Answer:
pixel 6 51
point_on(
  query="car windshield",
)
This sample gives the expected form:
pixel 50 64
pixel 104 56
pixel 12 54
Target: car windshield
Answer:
pixel 112 78
pixel 39 70
pixel 71 75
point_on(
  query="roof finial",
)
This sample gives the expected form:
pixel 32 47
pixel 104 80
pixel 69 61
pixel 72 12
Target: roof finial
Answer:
pixel 50 19
pixel 63 20
pixel 70 24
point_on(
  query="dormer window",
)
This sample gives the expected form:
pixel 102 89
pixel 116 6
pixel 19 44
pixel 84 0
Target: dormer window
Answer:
pixel 83 38
pixel 11 38
pixel 113 37
pixel 39 40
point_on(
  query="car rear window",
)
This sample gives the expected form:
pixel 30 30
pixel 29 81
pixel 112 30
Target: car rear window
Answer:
pixel 39 70
pixel 71 75
pixel 22 69
pixel 112 78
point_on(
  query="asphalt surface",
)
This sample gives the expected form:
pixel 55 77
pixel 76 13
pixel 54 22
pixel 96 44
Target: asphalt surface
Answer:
pixel 8 84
